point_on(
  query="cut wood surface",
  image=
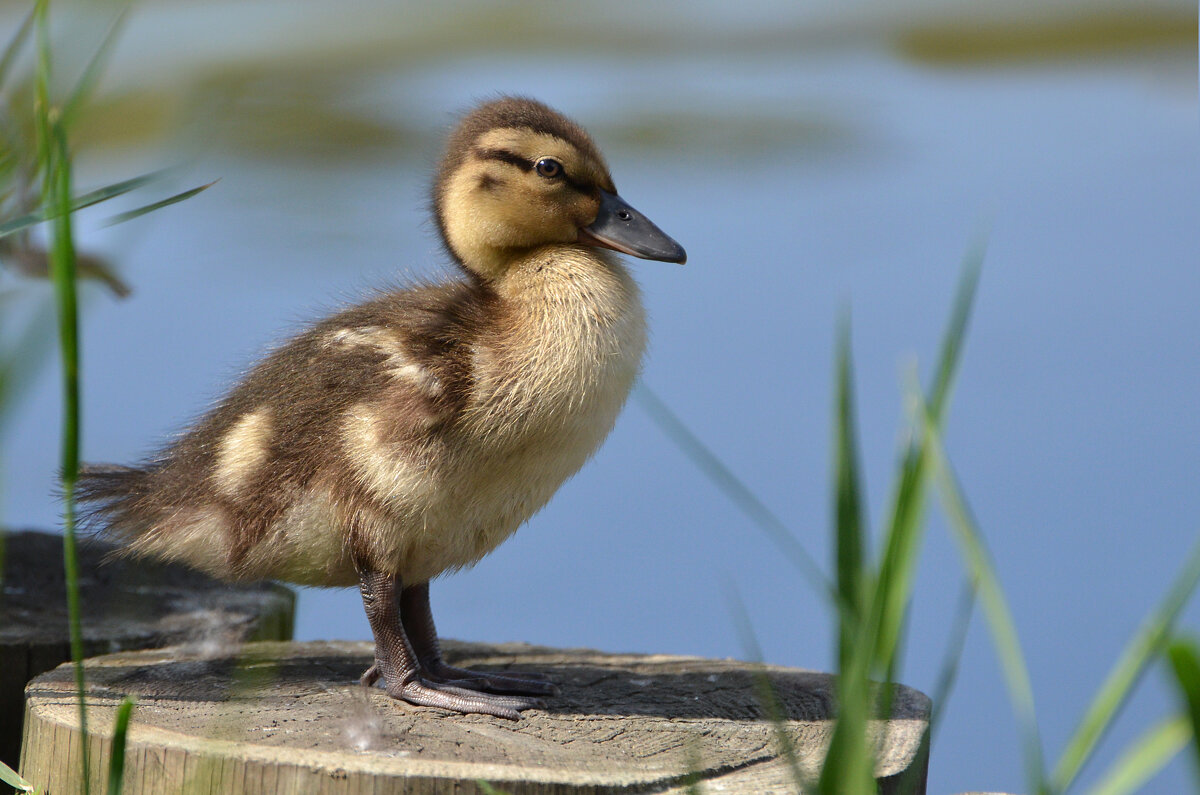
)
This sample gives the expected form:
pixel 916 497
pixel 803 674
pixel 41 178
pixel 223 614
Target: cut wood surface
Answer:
pixel 126 604
pixel 287 717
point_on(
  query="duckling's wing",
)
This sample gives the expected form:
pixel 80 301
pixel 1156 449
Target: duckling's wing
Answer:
pixel 391 368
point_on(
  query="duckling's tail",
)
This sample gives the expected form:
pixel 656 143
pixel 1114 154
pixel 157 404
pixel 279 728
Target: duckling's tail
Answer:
pixel 147 514
pixel 114 498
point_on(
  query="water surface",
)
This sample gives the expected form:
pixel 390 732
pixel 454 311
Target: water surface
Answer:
pixel 810 169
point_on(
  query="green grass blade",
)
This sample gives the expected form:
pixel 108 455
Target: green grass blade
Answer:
pixel 952 341
pixel 876 644
pixel 63 271
pixel 13 779
pixel 733 488
pixel 849 524
pixel 905 527
pixel 78 203
pixel 995 607
pixel 1149 641
pixel 849 765
pixel 56 193
pixel 1185 664
pixel 22 222
pixel 116 761
pixel 1150 754
pixel 897 566
pixel 62 262
pixel 849 762
pixel 121 218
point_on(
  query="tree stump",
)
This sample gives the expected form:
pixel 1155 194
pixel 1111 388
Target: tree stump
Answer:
pixel 289 717
pixel 126 604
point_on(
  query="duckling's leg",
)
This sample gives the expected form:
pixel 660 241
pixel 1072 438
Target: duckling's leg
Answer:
pixel 419 626
pixel 398 666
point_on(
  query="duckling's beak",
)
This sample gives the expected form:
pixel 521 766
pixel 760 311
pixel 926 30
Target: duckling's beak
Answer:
pixel 622 228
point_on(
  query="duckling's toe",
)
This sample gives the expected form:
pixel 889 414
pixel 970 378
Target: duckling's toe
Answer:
pixel 457 699
pixel 508 683
pixel 501 696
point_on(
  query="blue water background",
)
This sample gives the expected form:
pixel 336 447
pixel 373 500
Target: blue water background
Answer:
pixel 807 178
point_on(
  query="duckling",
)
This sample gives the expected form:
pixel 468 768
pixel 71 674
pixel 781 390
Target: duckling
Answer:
pixel 408 436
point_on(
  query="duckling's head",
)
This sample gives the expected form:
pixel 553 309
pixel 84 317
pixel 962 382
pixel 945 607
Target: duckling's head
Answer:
pixel 518 175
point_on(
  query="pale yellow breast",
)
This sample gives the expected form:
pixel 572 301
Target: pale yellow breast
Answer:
pixel 548 390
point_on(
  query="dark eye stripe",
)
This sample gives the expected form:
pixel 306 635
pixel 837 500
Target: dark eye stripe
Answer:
pixel 512 158
pixel 505 156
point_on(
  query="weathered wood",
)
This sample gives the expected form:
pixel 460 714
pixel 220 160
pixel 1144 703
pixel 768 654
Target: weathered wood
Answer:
pixel 125 604
pixel 285 717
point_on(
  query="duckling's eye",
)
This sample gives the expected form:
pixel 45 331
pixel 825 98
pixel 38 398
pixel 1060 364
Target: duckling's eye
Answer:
pixel 549 167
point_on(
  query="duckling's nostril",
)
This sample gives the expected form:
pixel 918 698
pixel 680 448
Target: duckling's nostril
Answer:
pixel 624 215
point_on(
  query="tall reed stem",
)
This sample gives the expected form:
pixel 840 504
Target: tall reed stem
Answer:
pixel 56 164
